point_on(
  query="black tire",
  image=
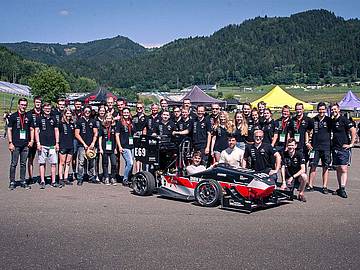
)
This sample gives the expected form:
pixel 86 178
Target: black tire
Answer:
pixel 208 193
pixel 143 183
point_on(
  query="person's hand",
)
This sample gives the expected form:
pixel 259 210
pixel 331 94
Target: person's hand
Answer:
pixel 91 146
pixel 207 150
pixel 283 186
pixel 290 180
pixel 273 172
pixel 347 146
pixel 309 146
pixel 57 147
pixel 39 147
pixel 101 151
pixel 86 146
pixel 11 147
pixel 121 149
pixel 30 144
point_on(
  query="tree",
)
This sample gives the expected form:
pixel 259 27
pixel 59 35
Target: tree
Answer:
pixel 83 84
pixel 48 83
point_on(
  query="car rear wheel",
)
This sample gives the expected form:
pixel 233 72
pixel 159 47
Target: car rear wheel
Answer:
pixel 143 183
pixel 208 193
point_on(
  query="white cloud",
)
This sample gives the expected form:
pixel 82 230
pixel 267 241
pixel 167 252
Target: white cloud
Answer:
pixel 64 12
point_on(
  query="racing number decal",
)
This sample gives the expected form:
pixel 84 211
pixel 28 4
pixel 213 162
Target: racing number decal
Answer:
pixel 140 152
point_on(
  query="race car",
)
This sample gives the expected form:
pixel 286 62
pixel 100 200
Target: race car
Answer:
pixel 232 188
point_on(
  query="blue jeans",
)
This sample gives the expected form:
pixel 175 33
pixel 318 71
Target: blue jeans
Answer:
pixel 129 161
pixel 81 165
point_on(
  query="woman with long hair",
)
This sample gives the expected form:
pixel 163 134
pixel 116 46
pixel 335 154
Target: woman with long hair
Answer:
pixel 268 126
pixel 255 124
pixel 107 146
pixel 240 129
pixel 220 134
pixel 66 146
pixel 126 142
pixel 99 119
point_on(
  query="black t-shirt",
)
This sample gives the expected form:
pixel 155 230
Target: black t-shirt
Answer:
pixel 199 131
pixel 126 135
pixel 47 127
pixel 269 130
pixel 221 141
pixel 34 115
pixel 293 164
pixel 321 136
pixel 165 129
pixel 238 136
pixel 151 121
pixel 261 159
pixel 298 128
pixel 282 129
pixel 56 114
pixel 340 128
pixel 252 126
pixel 86 129
pixel 139 122
pixel 108 141
pixel 20 126
pixel 67 135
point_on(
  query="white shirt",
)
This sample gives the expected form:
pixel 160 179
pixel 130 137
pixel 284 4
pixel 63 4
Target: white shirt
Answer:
pixel 191 169
pixel 232 157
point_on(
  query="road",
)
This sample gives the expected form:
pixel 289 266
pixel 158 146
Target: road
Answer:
pixel 102 227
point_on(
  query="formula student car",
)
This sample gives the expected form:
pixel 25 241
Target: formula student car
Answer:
pixel 234 188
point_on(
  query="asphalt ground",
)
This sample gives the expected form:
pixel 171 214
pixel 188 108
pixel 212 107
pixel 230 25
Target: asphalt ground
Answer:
pixel 102 227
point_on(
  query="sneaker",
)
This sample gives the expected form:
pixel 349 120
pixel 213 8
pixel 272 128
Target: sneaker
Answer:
pixel 113 182
pixel 340 192
pixel 12 185
pixel 125 183
pixel 25 185
pixel 309 188
pixel 67 182
pixel 61 183
pixel 107 182
pixel 325 190
pixel 301 198
pixel 79 182
pixel 42 185
pixel 55 185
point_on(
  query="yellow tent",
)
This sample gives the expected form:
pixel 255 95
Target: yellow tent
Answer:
pixel 277 98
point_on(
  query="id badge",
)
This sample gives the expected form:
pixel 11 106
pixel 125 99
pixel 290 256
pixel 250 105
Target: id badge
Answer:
pixel 312 154
pixel 52 150
pixel 108 146
pixel 131 141
pixel 297 137
pixel 22 134
pixel 282 137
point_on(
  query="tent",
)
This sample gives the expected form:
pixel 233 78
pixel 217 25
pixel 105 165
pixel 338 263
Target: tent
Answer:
pixel 13 88
pixel 97 97
pixel 198 97
pixel 350 102
pixel 277 98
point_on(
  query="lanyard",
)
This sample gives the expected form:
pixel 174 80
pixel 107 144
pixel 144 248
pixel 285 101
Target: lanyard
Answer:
pixel 298 123
pixel 283 124
pixel 108 132
pixel 128 124
pixel 22 119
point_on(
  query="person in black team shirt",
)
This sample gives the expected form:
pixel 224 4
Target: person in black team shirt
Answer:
pixel 183 125
pixel 110 106
pixel 220 135
pixel 47 138
pixel 299 128
pixel 58 112
pixel 34 114
pixel 77 114
pixel 176 118
pixel 187 105
pixel 86 133
pixel 319 147
pixel 241 130
pixel 293 168
pixel 107 146
pixel 153 119
pixel 341 146
pixel 66 144
pixel 268 126
pixel 120 104
pixel 139 123
pixel 125 140
pixel 20 136
pixel 259 156
pixel 261 106
pixel 246 109
pixel 253 125
pixel 281 130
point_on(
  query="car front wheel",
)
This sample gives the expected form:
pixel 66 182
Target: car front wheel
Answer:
pixel 208 193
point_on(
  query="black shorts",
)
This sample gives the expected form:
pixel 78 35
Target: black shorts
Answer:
pixel 323 155
pixel 341 157
pixel 66 151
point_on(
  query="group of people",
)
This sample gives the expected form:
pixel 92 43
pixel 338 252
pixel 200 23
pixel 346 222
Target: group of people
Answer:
pixel 252 139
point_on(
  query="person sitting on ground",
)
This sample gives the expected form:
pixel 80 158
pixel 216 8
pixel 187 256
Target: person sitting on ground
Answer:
pixel 196 165
pixel 232 155
pixel 293 168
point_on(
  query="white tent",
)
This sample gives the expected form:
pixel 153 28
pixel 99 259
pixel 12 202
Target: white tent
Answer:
pixel 13 88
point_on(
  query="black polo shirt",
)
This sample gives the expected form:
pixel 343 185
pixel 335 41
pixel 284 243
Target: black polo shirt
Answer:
pixel 67 135
pixel 151 121
pixel 261 159
pixel 47 127
pixel 126 135
pixel 293 163
pixel 139 122
pixel 340 128
pixel 34 115
pixel 238 136
pixel 108 141
pixel 20 128
pixel 199 131
pixel 86 129
pixel 252 126
pixel 221 141
pixel 269 130
pixel 282 129
pixel 321 137
pixel 298 128
pixel 165 129
pixel 56 114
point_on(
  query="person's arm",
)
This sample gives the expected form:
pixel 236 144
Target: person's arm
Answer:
pixel 57 139
pixel 282 172
pixel 37 138
pixel 101 151
pixel 275 138
pixel 95 136
pixel 353 137
pixel 213 139
pixel 208 143
pixel 183 132
pixel 118 142
pixel 277 163
pixel 78 137
pixel 31 142
pixel 9 135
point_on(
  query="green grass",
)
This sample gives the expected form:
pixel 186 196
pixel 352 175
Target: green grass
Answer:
pixel 5 102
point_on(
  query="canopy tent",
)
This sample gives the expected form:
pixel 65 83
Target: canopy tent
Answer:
pixel 14 88
pixel 350 102
pixel 277 98
pixel 97 97
pixel 198 97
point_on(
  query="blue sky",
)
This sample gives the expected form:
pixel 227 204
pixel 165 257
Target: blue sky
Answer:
pixel 148 22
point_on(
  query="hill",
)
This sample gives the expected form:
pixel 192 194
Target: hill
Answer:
pixel 313 46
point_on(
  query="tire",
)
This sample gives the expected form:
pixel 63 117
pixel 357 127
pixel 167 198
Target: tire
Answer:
pixel 208 193
pixel 143 183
